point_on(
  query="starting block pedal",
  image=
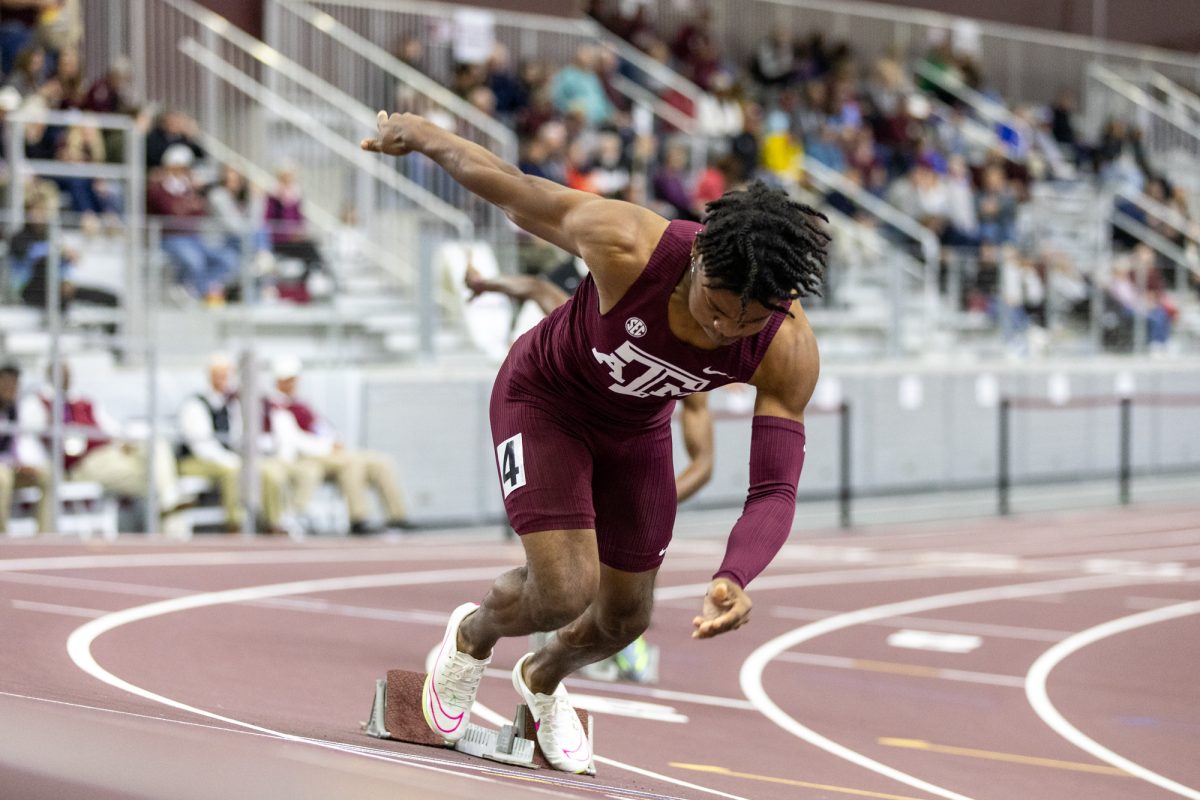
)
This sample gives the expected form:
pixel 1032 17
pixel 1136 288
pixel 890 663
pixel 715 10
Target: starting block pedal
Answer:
pixel 396 714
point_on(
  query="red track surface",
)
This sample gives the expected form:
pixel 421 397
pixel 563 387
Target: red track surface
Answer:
pixel 260 693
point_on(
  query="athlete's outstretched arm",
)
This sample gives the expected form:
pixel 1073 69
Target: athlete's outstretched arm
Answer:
pixel 696 422
pixel 519 287
pixel 785 380
pixel 608 234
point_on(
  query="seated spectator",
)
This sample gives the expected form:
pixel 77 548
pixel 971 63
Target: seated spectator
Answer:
pixel 109 94
pixel 782 152
pixel 576 86
pixel 96 448
pixel 59 28
pixel 18 22
pixel 611 171
pixel 720 112
pixel 240 209
pixel 210 424
pixel 511 94
pixel 671 184
pixel 963 219
pixel 289 232
pixel 996 206
pixel 826 149
pixel 922 195
pixel 301 439
pixel 28 71
pixel 205 270
pixel 68 76
pixel 93 198
pixel 15 472
pixel 775 58
pixel 172 128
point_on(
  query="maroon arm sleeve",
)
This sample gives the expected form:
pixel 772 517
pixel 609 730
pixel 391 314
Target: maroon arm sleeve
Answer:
pixel 776 459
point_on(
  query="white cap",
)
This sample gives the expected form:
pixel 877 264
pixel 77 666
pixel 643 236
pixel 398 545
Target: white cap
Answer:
pixel 178 155
pixel 285 367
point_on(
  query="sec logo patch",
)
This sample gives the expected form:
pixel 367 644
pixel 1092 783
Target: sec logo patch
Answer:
pixel 635 327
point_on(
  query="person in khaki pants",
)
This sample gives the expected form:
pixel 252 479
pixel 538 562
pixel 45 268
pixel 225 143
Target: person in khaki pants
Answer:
pixel 15 474
pixel 210 424
pixel 310 448
pixel 95 449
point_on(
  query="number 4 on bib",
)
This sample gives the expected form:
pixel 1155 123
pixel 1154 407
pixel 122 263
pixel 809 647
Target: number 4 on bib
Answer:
pixel 510 455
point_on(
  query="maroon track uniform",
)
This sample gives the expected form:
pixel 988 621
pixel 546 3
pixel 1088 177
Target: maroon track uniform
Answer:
pixel 581 411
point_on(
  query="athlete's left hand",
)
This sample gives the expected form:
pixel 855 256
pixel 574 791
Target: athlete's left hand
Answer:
pixel 726 608
pixel 398 134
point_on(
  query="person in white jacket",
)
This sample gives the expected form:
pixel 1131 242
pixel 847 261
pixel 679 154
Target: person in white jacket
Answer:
pixel 210 424
pixel 313 453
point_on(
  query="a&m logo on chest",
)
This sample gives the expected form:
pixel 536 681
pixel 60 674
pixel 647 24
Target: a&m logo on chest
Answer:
pixel 639 374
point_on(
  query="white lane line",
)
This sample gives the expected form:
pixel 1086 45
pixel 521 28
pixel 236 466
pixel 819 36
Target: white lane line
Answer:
pixel 754 666
pixel 347 555
pixel 1035 690
pixel 413 759
pixel 957 643
pixel 314 605
pixel 639 690
pixel 869 575
pixel 52 608
pixel 841 662
pixel 79 643
pixel 949 626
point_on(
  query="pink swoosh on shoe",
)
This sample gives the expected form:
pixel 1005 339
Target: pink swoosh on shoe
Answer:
pixel 571 753
pixel 433 692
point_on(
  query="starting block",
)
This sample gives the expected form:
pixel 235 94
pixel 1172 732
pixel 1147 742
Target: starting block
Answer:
pixel 396 714
pixel 610 670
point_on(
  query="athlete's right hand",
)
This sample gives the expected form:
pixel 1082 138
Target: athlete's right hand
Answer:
pixel 397 134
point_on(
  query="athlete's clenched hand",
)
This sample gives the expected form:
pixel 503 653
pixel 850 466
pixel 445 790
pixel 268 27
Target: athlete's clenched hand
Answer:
pixel 726 608
pixel 397 135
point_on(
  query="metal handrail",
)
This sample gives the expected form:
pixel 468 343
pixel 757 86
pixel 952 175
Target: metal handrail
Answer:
pixel 1175 91
pixel 336 144
pixel 1022 34
pixel 1154 240
pixel 985 106
pixel 1180 223
pixel 321 218
pixel 414 78
pixel 657 106
pixel 1139 97
pixel 881 209
pixel 660 72
pixel 273 59
pixel 585 28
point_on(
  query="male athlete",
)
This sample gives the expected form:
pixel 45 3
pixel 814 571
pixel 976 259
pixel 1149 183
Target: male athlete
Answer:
pixel 581 410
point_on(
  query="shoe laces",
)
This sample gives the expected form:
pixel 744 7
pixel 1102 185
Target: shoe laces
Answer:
pixel 558 713
pixel 460 681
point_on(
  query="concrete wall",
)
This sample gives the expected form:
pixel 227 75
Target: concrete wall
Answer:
pixel 914 428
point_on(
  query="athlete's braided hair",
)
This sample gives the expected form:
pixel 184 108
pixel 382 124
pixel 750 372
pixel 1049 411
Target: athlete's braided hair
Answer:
pixel 763 246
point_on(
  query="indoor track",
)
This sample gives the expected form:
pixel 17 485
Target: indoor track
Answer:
pixel 1040 658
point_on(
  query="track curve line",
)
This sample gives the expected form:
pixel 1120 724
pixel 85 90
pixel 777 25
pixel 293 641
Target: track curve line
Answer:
pixel 754 666
pixel 79 646
pixel 1039 697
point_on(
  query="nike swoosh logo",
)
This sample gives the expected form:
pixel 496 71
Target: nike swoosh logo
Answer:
pixel 709 371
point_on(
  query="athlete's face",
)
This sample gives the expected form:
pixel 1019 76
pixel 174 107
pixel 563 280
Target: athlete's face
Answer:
pixel 719 312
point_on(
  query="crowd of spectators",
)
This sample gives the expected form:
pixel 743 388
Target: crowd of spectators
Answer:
pixel 892 128
pixel 214 222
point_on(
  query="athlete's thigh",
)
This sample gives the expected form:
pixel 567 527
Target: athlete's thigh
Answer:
pixel 544 468
pixel 633 491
